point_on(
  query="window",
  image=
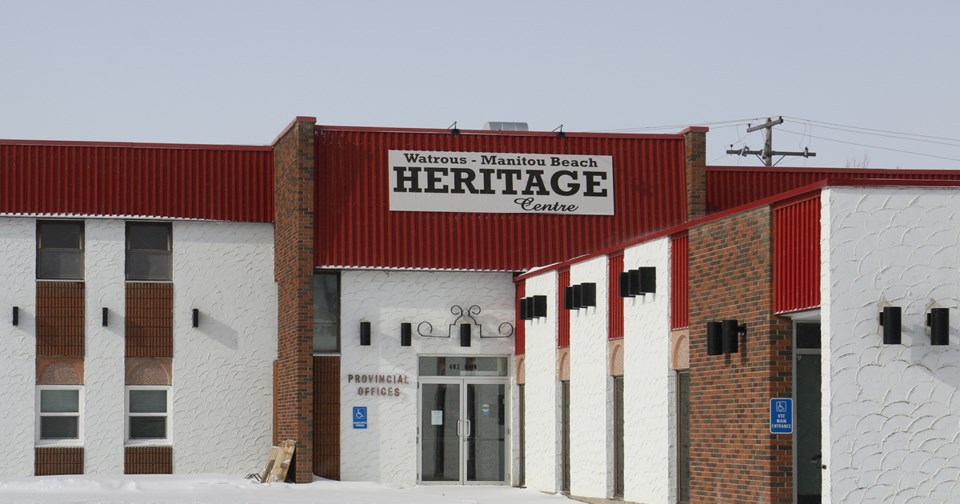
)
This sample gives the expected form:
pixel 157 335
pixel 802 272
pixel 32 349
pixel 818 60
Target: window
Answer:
pixel 60 250
pixel 148 415
pixel 59 414
pixel 326 312
pixel 148 251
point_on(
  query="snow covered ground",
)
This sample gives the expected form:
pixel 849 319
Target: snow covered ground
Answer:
pixel 218 489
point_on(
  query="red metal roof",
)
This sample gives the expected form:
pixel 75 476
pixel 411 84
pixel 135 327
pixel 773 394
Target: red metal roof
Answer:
pixel 216 182
pixel 731 186
pixel 355 228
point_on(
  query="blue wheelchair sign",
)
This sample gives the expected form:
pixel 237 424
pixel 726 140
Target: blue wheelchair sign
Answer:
pixel 781 416
pixel 359 417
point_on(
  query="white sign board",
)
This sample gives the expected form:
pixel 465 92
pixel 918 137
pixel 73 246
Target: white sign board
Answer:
pixel 497 182
pixel 436 417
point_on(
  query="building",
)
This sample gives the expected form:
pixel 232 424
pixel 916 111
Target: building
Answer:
pixel 597 314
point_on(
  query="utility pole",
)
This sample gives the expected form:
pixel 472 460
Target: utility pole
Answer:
pixel 766 154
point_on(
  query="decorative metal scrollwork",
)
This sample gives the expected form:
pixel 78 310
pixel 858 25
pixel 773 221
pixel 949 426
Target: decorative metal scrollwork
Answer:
pixel 464 316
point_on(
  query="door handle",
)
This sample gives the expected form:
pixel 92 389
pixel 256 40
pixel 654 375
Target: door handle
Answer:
pixel 469 428
pixel 459 429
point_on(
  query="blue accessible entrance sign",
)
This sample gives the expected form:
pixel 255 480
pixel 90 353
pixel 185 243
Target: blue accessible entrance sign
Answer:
pixel 781 416
pixel 359 417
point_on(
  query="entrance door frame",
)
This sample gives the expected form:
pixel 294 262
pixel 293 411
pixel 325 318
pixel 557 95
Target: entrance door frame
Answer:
pixel 808 317
pixel 463 381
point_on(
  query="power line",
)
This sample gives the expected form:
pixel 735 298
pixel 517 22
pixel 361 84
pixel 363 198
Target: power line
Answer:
pixel 871 146
pixel 898 137
pixel 821 123
pixel 730 123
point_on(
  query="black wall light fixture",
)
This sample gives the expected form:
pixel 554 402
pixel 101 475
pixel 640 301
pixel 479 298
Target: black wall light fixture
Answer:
pixel 16 315
pixel 731 335
pixel 539 306
pixel 464 335
pixel 105 317
pixel 938 320
pixel 714 338
pixel 406 334
pixel 364 333
pixel 196 317
pixel 638 282
pixel 534 307
pixel 890 321
pixel 580 296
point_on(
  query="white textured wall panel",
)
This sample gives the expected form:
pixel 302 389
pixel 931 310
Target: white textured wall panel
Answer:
pixel 646 372
pixel 542 391
pixel 387 449
pixel 222 371
pixel 591 413
pixel 18 345
pixel 104 347
pixel 893 411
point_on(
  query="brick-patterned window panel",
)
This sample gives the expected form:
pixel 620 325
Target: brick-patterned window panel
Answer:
pixel 60 319
pixel 149 319
pixel 148 460
pixel 326 417
pixel 54 461
pixel 615 318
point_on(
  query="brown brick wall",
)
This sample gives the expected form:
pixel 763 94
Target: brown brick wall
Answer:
pixel 149 319
pixel 326 417
pixel 733 456
pixel 695 153
pixel 53 461
pixel 60 319
pixel 148 460
pixel 293 270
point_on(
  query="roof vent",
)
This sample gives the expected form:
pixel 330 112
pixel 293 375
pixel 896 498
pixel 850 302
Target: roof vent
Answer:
pixel 506 126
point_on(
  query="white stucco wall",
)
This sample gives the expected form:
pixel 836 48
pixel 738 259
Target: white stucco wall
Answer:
pixel 387 449
pixel 891 413
pixel 104 258
pixel 222 371
pixel 591 411
pixel 542 391
pixel 646 364
pixel 17 345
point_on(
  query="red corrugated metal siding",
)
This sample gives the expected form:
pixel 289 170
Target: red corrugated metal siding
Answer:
pixel 520 337
pixel 728 187
pixel 796 255
pixel 192 182
pixel 355 227
pixel 615 320
pixel 563 315
pixel 679 282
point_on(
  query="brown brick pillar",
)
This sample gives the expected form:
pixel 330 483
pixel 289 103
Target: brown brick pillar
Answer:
pixel 695 154
pixel 293 270
pixel 733 456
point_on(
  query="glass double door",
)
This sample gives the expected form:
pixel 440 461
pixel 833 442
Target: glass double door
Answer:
pixel 463 430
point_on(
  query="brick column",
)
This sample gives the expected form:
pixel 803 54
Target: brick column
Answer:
pixel 695 154
pixel 293 154
pixel 733 456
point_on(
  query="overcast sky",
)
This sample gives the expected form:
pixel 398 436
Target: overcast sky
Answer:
pixel 237 72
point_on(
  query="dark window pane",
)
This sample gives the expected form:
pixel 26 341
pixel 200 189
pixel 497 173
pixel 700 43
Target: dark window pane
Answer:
pixel 60 235
pixel 58 264
pixel 148 237
pixel 808 335
pixel 59 427
pixel 326 312
pixel 59 401
pixel 148 266
pixel 148 401
pixel 148 427
pixel 326 338
pixel 326 298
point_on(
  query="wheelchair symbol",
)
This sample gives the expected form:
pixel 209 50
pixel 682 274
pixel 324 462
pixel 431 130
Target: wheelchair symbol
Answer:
pixel 360 413
pixel 781 407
